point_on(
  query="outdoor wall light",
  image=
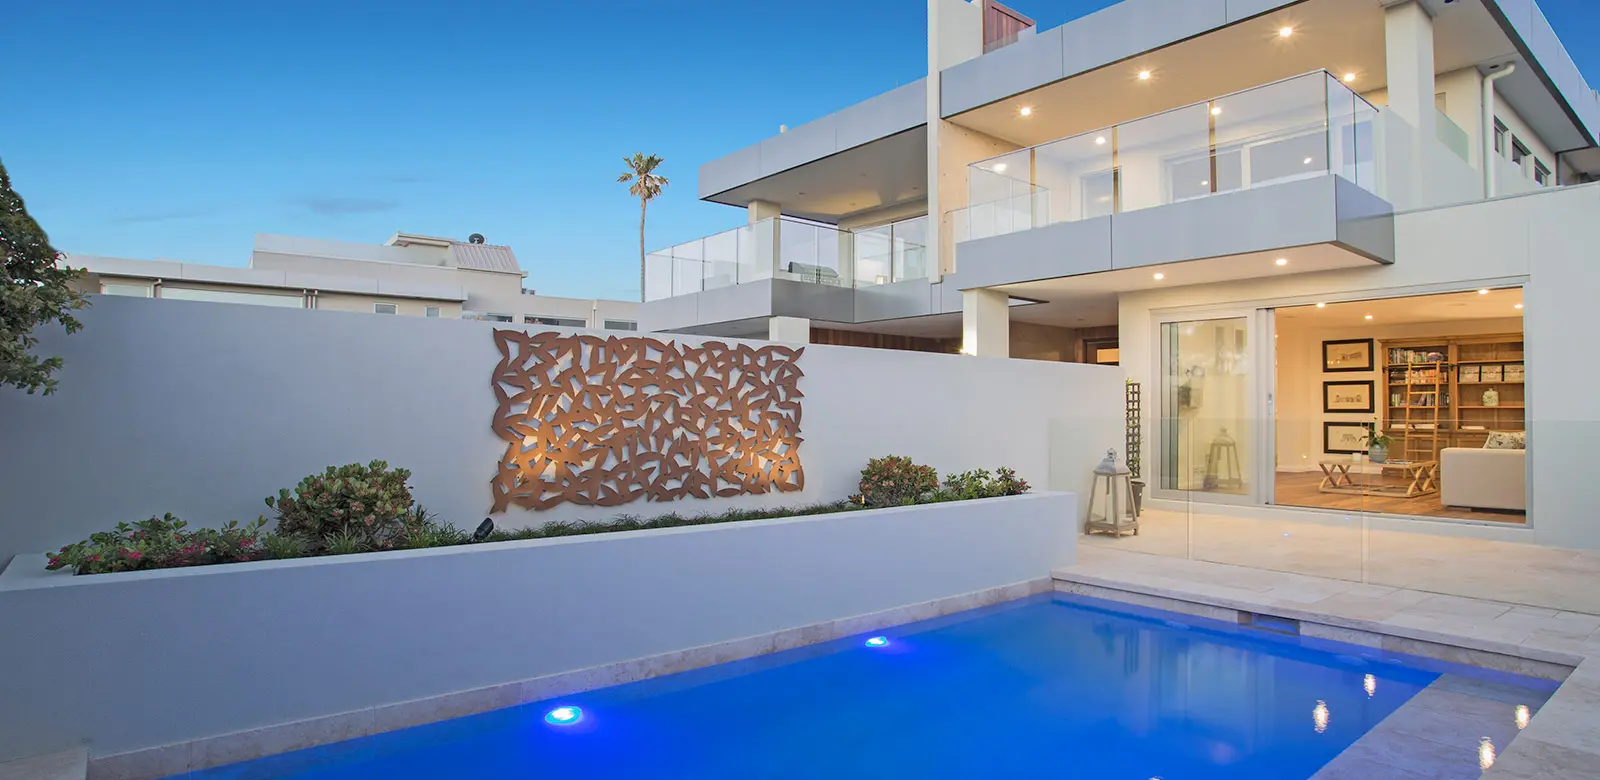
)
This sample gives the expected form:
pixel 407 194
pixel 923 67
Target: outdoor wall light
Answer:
pixel 878 641
pixel 1100 140
pixel 1216 110
pixel 563 716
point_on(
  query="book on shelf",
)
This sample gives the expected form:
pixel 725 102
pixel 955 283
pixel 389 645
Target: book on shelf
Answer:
pixel 1402 355
pixel 1474 428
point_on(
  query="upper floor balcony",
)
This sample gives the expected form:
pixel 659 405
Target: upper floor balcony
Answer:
pixel 1291 130
pixel 794 250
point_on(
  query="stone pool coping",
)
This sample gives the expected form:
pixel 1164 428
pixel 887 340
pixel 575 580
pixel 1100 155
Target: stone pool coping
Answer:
pixel 196 755
pixel 1561 742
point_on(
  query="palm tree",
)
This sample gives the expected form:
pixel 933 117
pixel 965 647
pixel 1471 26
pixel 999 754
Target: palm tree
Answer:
pixel 646 185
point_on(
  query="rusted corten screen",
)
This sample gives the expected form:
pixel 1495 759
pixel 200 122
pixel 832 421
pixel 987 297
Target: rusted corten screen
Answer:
pixel 603 421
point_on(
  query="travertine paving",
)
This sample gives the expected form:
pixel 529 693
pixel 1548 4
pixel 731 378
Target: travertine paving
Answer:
pixel 1562 738
pixel 1346 547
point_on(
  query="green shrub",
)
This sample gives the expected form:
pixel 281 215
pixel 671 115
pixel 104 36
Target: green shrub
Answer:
pixel 423 529
pixel 361 505
pixel 894 480
pixel 280 547
pixel 160 543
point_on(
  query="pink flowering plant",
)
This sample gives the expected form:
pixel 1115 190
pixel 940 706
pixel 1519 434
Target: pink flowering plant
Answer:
pixel 360 507
pixel 160 543
pixel 894 480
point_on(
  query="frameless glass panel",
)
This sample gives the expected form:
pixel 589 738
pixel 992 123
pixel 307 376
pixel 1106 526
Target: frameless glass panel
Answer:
pixel 1207 388
pixel 722 259
pixel 910 249
pixel 1076 172
pixel 1280 130
pixel 874 249
pixel 813 253
pixel 1341 128
pixel 658 275
pixel 1164 158
pixel 688 268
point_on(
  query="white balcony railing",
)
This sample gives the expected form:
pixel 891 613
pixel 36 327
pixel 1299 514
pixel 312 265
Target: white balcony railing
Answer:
pixel 785 248
pixel 1309 125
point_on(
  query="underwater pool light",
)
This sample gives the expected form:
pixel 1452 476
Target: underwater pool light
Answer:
pixel 878 641
pixel 563 716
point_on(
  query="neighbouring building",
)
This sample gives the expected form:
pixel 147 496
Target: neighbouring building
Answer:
pixel 1297 225
pixel 420 276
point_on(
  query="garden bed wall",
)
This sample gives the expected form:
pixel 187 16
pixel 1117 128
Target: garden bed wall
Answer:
pixel 141 659
pixel 203 409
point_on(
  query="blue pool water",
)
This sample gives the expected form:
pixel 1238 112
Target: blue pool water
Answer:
pixel 1053 687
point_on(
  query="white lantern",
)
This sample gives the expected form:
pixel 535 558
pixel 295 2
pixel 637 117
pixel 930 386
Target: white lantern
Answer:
pixel 1112 494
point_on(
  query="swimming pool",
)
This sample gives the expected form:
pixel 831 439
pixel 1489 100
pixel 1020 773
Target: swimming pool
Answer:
pixel 1053 686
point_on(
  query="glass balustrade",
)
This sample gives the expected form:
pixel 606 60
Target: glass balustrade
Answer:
pixel 790 249
pixel 1309 125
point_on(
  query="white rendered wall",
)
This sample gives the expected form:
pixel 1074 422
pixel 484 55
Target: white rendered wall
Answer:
pixel 131 661
pixel 204 409
pixel 1537 239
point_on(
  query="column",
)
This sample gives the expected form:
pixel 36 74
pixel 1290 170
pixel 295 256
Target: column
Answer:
pixel 765 225
pixel 985 323
pixel 1408 40
pixel 955 35
pixel 790 330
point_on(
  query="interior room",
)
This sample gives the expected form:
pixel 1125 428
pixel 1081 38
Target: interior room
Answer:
pixel 1404 406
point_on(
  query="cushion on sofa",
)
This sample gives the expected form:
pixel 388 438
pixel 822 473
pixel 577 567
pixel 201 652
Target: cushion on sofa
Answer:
pixel 1506 440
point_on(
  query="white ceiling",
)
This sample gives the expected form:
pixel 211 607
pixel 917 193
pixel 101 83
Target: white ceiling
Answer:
pixel 1337 35
pixel 885 172
pixel 1498 303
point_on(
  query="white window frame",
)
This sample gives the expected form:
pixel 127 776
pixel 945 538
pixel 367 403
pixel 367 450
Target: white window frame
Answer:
pixel 611 324
pixel 431 311
pixel 377 308
pixel 148 288
pixel 558 322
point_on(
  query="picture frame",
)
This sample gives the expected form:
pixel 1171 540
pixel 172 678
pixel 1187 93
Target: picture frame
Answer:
pixel 1348 396
pixel 1345 438
pixel 1346 355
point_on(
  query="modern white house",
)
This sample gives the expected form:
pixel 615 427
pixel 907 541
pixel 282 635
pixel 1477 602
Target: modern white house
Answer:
pixel 410 275
pixel 1296 224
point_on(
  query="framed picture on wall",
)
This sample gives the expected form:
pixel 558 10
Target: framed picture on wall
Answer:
pixel 1347 397
pixel 1346 438
pixel 1347 355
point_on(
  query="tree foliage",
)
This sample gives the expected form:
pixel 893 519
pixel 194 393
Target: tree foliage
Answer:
pixel 33 291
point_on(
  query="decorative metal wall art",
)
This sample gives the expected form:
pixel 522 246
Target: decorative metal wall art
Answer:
pixel 603 421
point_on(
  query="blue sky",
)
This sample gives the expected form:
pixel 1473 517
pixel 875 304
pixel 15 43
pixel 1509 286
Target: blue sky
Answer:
pixel 180 129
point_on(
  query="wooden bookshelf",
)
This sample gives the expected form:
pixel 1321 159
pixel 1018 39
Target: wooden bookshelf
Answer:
pixel 1451 392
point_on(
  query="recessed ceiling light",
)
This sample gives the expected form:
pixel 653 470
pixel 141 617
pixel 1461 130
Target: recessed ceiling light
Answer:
pixel 1100 140
pixel 999 167
pixel 1518 306
pixel 1284 32
pixel 1026 111
pixel 1349 77
pixel 1144 75
pixel 1484 291
pixel 1158 276
pixel 1216 110
pixel 1308 161
pixel 1282 261
pixel 1369 316
pixel 1322 305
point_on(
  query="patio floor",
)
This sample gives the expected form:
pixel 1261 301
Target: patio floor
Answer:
pixel 1341 547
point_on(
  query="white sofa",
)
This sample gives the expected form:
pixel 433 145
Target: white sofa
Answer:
pixel 1483 479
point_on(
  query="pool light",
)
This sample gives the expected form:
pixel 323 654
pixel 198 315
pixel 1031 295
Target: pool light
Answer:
pixel 1522 716
pixel 1319 716
pixel 563 716
pixel 1370 685
pixel 878 641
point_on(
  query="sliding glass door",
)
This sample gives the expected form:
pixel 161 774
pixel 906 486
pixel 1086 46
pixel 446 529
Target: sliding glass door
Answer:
pixel 1209 441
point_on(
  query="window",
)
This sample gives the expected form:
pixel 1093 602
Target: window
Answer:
pixel 486 316
pixel 560 322
pixel 621 325
pixel 385 308
pixel 225 296
pixel 431 311
pixel 130 290
pixel 1500 138
pixel 1541 174
pixel 1518 151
